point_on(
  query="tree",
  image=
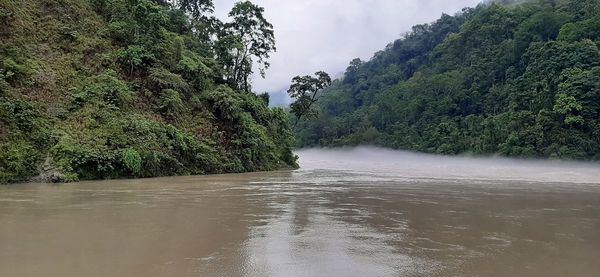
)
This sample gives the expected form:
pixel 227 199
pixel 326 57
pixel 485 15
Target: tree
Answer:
pixel 248 38
pixel 134 58
pixel 306 90
pixel 195 7
pixel 204 25
pixel 542 26
pixel 351 75
pixel 577 31
pixel 568 107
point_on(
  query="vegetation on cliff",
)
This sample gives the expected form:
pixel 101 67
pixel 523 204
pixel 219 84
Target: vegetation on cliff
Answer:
pixel 134 88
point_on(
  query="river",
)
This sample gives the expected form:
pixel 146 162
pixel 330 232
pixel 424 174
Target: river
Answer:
pixel 347 212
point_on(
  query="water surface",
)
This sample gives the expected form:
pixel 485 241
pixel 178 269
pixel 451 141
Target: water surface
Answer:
pixel 355 212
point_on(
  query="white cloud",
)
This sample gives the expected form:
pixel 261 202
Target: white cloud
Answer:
pixel 315 35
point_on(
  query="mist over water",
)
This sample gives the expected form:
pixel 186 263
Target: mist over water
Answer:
pixel 410 165
pixel 347 212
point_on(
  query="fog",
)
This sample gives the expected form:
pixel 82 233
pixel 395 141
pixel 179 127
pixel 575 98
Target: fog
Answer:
pixel 410 165
pixel 313 35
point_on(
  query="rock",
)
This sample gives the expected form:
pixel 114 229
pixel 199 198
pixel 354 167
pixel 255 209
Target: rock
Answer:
pixel 49 173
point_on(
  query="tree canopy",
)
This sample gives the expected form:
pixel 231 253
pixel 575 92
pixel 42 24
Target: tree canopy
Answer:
pixel 247 40
pixel 305 91
pixel 517 79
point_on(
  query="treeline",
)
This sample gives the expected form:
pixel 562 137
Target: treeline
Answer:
pixel 513 79
pixel 134 88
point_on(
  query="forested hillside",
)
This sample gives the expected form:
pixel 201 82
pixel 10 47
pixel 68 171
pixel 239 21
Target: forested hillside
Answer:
pixel 511 79
pixel 93 89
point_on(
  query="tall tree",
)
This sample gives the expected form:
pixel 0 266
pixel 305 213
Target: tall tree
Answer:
pixel 196 8
pixel 305 90
pixel 247 39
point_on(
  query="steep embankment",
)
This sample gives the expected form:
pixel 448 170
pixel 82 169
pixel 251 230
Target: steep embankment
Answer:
pixel 518 80
pixel 106 89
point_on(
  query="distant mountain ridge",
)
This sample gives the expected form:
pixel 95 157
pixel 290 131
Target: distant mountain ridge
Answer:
pixel 517 80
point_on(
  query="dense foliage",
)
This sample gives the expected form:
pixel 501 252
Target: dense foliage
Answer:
pixel 513 79
pixel 133 88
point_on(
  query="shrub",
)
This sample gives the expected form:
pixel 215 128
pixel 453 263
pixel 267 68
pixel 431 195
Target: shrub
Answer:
pixel 107 88
pixel 135 58
pixel 224 102
pixel 18 71
pixel 132 160
pixel 170 103
pixel 85 161
pixel 26 121
pixel 164 79
pixel 18 161
pixel 121 31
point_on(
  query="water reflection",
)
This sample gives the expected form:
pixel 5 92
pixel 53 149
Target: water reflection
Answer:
pixel 346 213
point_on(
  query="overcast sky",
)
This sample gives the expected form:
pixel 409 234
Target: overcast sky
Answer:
pixel 313 35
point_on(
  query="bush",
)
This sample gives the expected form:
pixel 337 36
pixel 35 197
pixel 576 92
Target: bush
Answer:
pixel 26 121
pixel 224 102
pixel 170 103
pixel 18 161
pixel 164 79
pixel 105 88
pixel 18 71
pixel 132 160
pixel 84 162
pixel 135 58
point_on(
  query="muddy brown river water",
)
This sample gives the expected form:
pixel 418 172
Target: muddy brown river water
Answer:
pixel 354 212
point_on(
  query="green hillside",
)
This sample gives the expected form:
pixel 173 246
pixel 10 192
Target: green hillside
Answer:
pixel 511 79
pixel 134 88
